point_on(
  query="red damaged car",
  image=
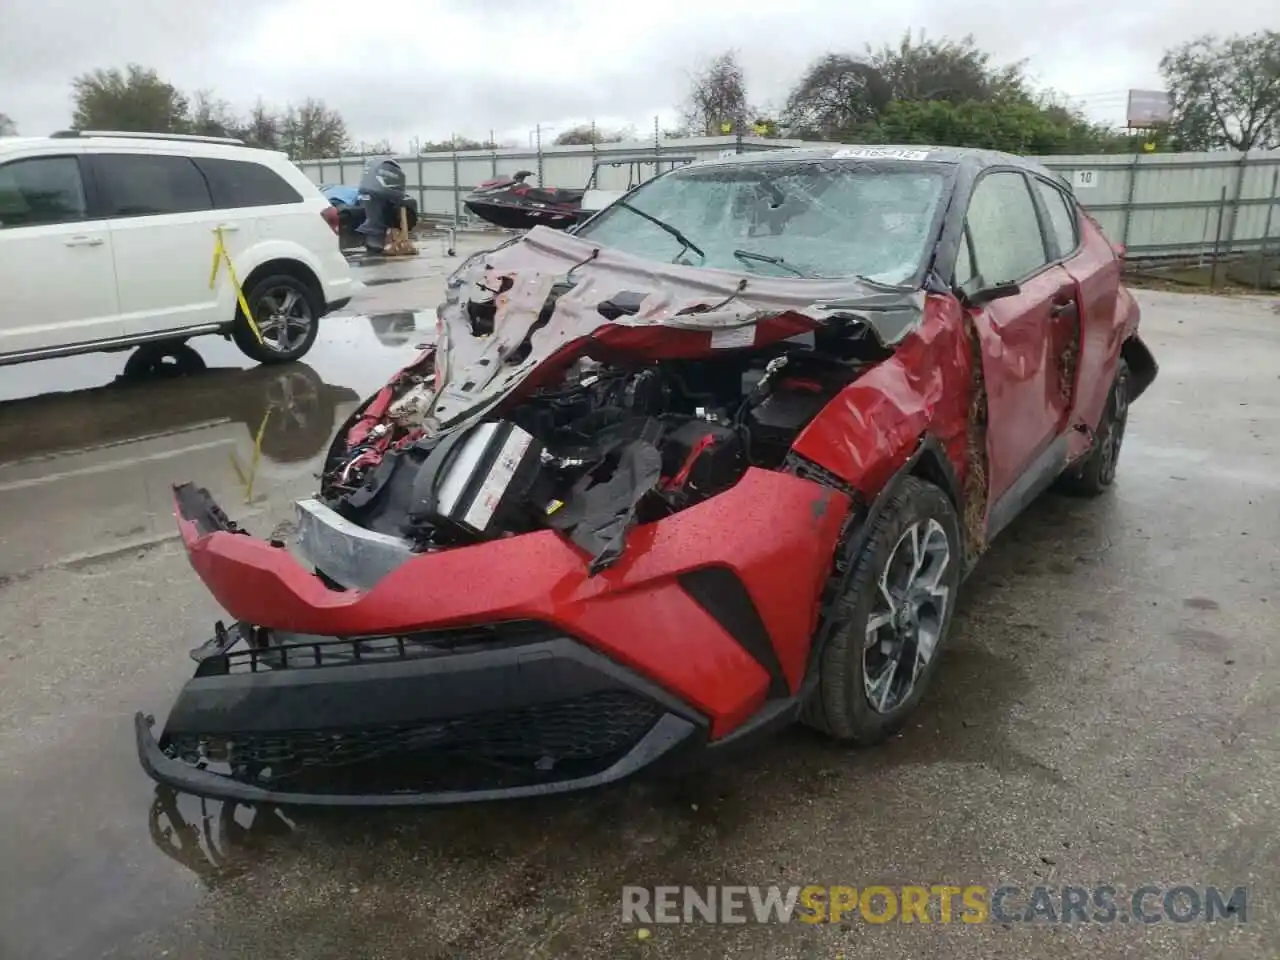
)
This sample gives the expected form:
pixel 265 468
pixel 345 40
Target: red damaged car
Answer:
pixel 714 461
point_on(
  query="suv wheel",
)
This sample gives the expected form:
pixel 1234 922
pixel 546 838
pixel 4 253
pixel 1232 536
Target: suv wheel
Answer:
pixel 287 314
pixel 1097 471
pixel 891 619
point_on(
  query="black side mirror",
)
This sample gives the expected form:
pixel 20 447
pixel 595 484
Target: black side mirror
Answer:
pixel 984 295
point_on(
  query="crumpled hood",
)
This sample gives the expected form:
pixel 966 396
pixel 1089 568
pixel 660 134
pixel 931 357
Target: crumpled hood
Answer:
pixel 509 288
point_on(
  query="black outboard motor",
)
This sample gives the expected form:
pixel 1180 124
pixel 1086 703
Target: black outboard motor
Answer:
pixel 382 194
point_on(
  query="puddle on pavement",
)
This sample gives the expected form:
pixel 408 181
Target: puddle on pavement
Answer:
pixel 89 446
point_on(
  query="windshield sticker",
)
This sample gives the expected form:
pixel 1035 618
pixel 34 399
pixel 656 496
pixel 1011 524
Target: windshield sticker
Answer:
pixel 874 153
pixel 731 337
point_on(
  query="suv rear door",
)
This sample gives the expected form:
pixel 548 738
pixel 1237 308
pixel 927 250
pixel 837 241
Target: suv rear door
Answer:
pixel 57 277
pixel 1089 347
pixel 160 212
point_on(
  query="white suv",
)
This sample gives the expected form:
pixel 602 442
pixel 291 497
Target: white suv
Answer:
pixel 107 241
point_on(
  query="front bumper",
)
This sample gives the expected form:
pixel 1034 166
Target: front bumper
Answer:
pixel 394 721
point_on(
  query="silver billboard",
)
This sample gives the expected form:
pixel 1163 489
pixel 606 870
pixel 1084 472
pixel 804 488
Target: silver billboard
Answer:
pixel 1148 108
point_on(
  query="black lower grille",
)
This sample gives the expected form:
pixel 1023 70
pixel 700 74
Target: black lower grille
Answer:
pixel 548 741
pixel 276 650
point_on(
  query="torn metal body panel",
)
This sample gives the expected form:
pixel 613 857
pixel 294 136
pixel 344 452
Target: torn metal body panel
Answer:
pixel 611 517
pixel 600 295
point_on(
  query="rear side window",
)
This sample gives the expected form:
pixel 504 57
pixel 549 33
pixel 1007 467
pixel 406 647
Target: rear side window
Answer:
pixel 144 185
pixel 1062 217
pixel 41 190
pixel 1007 243
pixel 238 183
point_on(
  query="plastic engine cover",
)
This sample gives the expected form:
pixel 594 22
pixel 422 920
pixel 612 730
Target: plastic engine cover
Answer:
pixel 478 481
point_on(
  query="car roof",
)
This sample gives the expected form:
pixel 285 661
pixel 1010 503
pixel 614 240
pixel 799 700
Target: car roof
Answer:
pixel 159 144
pixel 881 153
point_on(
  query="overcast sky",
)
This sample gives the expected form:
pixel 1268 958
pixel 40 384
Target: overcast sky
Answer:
pixel 430 68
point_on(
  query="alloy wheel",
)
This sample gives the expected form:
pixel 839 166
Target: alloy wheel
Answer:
pixel 284 319
pixel 907 616
pixel 1115 432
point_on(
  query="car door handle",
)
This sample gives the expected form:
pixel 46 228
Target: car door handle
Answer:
pixel 83 241
pixel 226 228
pixel 1062 307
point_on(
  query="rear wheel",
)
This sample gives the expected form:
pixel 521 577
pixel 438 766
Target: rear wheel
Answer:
pixel 287 313
pixel 1097 471
pixel 891 619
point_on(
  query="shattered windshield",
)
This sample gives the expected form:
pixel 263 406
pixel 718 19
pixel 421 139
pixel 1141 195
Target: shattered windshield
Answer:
pixel 818 219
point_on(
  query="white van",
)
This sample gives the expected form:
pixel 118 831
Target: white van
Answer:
pixel 107 241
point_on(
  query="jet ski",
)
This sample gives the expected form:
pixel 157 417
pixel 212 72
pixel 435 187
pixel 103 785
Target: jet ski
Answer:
pixel 512 203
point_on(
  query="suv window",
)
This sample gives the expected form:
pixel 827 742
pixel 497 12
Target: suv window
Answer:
pixel 1062 216
pixel 964 263
pixel 41 190
pixel 1007 243
pixel 239 183
pixel 143 185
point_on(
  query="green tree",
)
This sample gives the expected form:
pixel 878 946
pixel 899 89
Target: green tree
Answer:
pixel 312 129
pixel 1017 126
pixel 1225 93
pixel 717 99
pixel 588 133
pixel 843 96
pixel 133 99
pixel 379 148
pixel 209 116
pixel 457 143
pixel 261 128
pixel 952 70
pixel 837 98
pixel 7 127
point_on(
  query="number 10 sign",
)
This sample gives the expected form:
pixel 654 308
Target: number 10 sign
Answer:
pixel 1084 179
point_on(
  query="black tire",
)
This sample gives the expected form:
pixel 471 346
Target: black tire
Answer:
pixel 268 297
pixel 841 705
pixel 1096 472
pixel 153 361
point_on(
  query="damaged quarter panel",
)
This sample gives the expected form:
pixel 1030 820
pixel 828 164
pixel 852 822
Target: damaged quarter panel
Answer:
pixel 1110 314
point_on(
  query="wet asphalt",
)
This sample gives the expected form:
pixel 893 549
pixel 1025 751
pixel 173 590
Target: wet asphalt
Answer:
pixel 1107 712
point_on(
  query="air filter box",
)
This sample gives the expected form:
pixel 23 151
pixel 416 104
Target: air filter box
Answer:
pixel 480 482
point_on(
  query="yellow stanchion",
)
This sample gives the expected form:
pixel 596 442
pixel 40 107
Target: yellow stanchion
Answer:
pixel 222 255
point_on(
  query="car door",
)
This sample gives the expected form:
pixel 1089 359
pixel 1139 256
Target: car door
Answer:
pixel 159 209
pixel 1026 402
pixel 57 275
pixel 1086 338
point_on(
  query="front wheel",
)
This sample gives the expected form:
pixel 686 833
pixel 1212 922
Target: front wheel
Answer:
pixel 288 317
pixel 891 618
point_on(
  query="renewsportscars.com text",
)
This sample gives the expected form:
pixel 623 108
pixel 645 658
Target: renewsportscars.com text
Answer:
pixel 933 904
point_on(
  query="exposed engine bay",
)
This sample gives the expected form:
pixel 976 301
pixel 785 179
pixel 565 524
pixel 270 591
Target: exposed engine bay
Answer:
pixel 606 447
pixel 558 396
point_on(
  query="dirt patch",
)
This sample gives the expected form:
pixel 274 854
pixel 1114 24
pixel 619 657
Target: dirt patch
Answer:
pixel 975 477
pixel 1067 362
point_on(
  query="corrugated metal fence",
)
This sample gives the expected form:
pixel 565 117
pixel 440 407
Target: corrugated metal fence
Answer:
pixel 1156 204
